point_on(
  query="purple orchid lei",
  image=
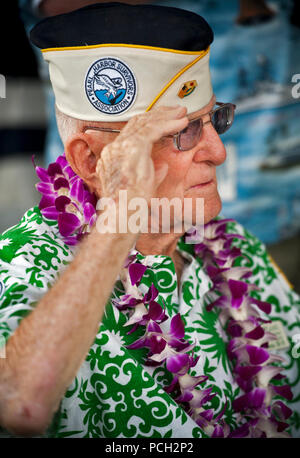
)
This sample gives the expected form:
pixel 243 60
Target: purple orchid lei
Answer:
pixel 67 200
pixel 248 341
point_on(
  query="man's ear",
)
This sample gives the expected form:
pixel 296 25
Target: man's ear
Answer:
pixel 83 156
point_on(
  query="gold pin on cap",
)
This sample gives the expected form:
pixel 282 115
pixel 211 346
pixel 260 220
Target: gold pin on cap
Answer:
pixel 187 88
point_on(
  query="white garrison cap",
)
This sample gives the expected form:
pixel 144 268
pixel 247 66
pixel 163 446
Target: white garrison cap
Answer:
pixel 109 62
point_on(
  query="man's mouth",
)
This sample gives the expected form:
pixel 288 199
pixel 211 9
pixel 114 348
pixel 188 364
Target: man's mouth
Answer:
pixel 201 185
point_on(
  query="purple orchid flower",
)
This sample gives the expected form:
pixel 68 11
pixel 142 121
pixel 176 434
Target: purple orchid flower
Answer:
pixel 65 198
pixel 136 271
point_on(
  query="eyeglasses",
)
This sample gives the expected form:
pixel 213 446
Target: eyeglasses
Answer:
pixel 221 118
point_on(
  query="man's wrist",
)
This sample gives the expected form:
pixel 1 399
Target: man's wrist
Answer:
pixel 114 217
pixel 105 238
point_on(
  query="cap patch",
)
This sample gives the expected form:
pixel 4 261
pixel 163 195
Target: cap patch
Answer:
pixel 187 88
pixel 110 86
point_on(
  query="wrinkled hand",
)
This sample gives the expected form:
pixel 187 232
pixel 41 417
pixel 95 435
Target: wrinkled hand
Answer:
pixel 126 163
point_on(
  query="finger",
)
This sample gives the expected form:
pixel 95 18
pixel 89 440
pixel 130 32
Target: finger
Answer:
pixel 156 116
pixel 166 113
pixel 161 172
pixel 155 131
pixel 168 109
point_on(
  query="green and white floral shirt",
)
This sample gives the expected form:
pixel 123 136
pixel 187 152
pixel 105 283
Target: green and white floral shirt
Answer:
pixel 114 394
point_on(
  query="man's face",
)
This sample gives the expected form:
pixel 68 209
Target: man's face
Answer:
pixel 192 173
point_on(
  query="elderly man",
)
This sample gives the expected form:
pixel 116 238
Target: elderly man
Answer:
pixel 126 334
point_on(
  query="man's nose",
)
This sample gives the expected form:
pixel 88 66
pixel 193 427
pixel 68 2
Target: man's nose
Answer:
pixel 210 147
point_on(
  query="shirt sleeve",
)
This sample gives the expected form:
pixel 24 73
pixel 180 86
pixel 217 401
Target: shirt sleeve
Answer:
pixel 32 256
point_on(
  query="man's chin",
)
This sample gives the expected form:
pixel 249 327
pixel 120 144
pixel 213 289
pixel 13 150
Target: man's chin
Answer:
pixel 210 209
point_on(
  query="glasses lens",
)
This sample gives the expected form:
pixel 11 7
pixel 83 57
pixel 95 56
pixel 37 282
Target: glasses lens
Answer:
pixel 189 136
pixel 222 119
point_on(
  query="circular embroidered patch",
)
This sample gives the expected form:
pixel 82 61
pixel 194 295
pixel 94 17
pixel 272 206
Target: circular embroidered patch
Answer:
pixel 110 86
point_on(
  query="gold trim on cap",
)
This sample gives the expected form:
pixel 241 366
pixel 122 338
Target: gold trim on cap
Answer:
pixel 122 45
pixel 184 69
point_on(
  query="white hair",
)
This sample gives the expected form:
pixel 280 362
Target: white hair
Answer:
pixel 67 126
